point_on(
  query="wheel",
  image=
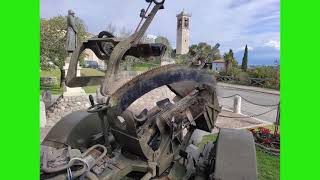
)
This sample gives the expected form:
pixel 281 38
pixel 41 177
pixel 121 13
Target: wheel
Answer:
pixel 106 47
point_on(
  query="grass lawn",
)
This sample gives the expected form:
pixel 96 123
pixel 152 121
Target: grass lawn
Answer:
pixel 56 73
pixel 87 72
pixel 91 72
pixel 268 165
pixel 55 89
pixel 143 66
pixel 90 89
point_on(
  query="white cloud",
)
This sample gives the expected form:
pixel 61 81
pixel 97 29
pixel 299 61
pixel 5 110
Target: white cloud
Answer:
pixel 273 43
pixel 232 23
pixel 151 36
pixel 250 48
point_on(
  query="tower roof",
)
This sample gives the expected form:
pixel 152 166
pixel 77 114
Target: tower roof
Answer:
pixel 184 13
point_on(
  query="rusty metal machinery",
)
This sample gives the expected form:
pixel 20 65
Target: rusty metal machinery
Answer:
pixel 108 141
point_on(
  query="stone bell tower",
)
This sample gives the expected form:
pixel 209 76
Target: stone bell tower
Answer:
pixel 182 43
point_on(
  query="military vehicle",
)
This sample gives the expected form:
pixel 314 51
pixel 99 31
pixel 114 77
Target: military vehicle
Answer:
pixel 108 141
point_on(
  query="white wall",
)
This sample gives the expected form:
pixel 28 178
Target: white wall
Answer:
pixel 218 66
pixel 90 56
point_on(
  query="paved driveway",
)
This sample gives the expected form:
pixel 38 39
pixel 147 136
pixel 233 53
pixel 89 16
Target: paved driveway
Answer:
pixel 254 96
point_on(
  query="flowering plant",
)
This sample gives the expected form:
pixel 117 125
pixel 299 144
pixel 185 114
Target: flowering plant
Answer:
pixel 266 137
pixel 265 131
pixel 267 141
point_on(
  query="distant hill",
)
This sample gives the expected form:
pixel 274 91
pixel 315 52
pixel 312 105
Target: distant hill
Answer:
pixel 259 56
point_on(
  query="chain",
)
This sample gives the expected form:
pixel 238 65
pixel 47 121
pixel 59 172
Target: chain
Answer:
pixel 228 96
pixel 265 105
pixel 251 116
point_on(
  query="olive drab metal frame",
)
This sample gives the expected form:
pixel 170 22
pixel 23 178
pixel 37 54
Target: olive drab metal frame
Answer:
pixel 121 46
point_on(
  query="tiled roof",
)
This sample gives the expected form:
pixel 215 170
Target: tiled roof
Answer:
pixel 219 61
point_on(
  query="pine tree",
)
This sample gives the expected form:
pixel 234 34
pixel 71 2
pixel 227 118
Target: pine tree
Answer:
pixel 244 65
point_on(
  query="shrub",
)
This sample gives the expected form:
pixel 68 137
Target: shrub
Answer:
pixel 182 59
pixel 262 72
pixel 48 66
pixel 243 76
pixel 267 72
pixel 235 72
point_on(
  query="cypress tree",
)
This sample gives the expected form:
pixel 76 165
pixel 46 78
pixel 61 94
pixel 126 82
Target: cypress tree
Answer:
pixel 244 64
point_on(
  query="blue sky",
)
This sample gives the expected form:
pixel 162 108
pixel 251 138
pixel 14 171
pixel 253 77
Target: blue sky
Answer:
pixel 232 23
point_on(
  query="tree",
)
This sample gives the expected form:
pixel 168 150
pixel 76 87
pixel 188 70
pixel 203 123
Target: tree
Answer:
pixel 204 47
pixel 244 64
pixel 53 38
pixel 233 59
pixel 193 49
pixel 206 50
pixel 216 55
pixel 227 62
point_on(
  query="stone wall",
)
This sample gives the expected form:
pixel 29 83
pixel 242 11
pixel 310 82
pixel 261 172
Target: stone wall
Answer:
pixel 48 81
pixel 64 106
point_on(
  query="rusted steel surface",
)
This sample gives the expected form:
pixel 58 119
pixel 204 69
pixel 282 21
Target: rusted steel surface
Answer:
pixel 158 139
